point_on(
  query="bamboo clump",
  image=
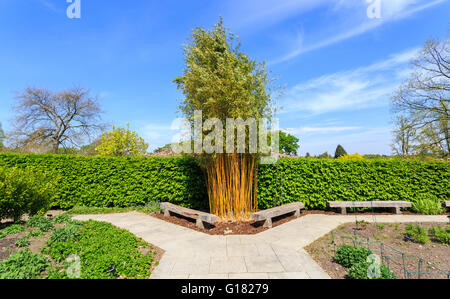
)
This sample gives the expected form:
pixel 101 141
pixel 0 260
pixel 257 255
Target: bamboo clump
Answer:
pixel 232 186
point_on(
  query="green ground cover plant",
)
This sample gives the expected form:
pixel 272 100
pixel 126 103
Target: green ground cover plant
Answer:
pixel 11 230
pixel 360 270
pixel 23 265
pixel 441 235
pixel 106 252
pixel 41 223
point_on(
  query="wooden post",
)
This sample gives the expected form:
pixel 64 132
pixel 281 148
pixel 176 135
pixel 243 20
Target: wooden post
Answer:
pixel 343 210
pixel 397 210
pixel 166 213
pixel 297 213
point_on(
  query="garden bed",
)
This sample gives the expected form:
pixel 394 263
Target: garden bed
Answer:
pixel 435 255
pixel 44 248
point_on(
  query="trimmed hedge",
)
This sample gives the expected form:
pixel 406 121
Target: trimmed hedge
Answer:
pixel 118 182
pixel 317 181
pixel 125 182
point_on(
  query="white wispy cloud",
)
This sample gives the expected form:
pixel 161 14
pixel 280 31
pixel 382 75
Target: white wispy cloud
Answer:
pixel 355 89
pixel 319 130
pixel 351 21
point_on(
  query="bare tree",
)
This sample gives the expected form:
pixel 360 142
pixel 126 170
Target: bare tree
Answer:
pixel 425 97
pixel 404 135
pixel 56 119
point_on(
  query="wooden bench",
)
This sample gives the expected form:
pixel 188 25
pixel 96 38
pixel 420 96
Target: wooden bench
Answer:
pixel 200 217
pixel 395 205
pixel 267 215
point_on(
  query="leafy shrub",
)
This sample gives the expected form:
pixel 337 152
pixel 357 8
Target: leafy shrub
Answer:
pixel 24 191
pixel 11 230
pixel 440 234
pixel 23 265
pixel 23 242
pixel 417 234
pixel 40 222
pixel 61 218
pixel 360 271
pixel 354 157
pixel 347 256
pixel 64 234
pixel 427 204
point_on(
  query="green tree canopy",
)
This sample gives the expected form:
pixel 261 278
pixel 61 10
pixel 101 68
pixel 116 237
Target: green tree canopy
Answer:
pixel 340 151
pixel 122 142
pixel 288 144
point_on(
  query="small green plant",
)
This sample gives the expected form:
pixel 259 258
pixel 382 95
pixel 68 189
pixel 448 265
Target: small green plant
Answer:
pixel 40 222
pixel 380 227
pixel 417 234
pixel 37 233
pixel 61 218
pixel 64 234
pixel 23 242
pixel 11 230
pixel 347 255
pixel 23 265
pixel 360 271
pixel 427 204
pixel 440 234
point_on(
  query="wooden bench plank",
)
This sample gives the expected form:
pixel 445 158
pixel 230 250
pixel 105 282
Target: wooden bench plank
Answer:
pixel 395 205
pixel 267 215
pixel 199 216
pixel 447 203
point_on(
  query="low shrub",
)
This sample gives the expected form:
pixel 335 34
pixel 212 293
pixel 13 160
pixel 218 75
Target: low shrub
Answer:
pixel 11 230
pixel 360 271
pixel 427 204
pixel 417 234
pixel 25 191
pixel 23 265
pixel 347 255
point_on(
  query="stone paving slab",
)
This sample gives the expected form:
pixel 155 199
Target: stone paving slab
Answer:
pixel 272 254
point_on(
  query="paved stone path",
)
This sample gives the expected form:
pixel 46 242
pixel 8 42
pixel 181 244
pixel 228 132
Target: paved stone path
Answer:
pixel 275 253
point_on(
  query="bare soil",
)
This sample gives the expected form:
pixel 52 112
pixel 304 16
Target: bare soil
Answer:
pixel 436 256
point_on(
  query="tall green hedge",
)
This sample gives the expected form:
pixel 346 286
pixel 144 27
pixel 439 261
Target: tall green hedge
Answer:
pixel 317 181
pixel 124 182
pixel 119 182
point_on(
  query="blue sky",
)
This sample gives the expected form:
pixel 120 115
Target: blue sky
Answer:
pixel 339 67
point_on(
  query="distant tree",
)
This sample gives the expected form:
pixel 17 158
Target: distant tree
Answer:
pixel 2 136
pixel 288 144
pixel 324 156
pixel 308 155
pixel 122 142
pixel 90 149
pixel 340 151
pixel 404 135
pixel 54 119
pixel 163 148
pixel 425 96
